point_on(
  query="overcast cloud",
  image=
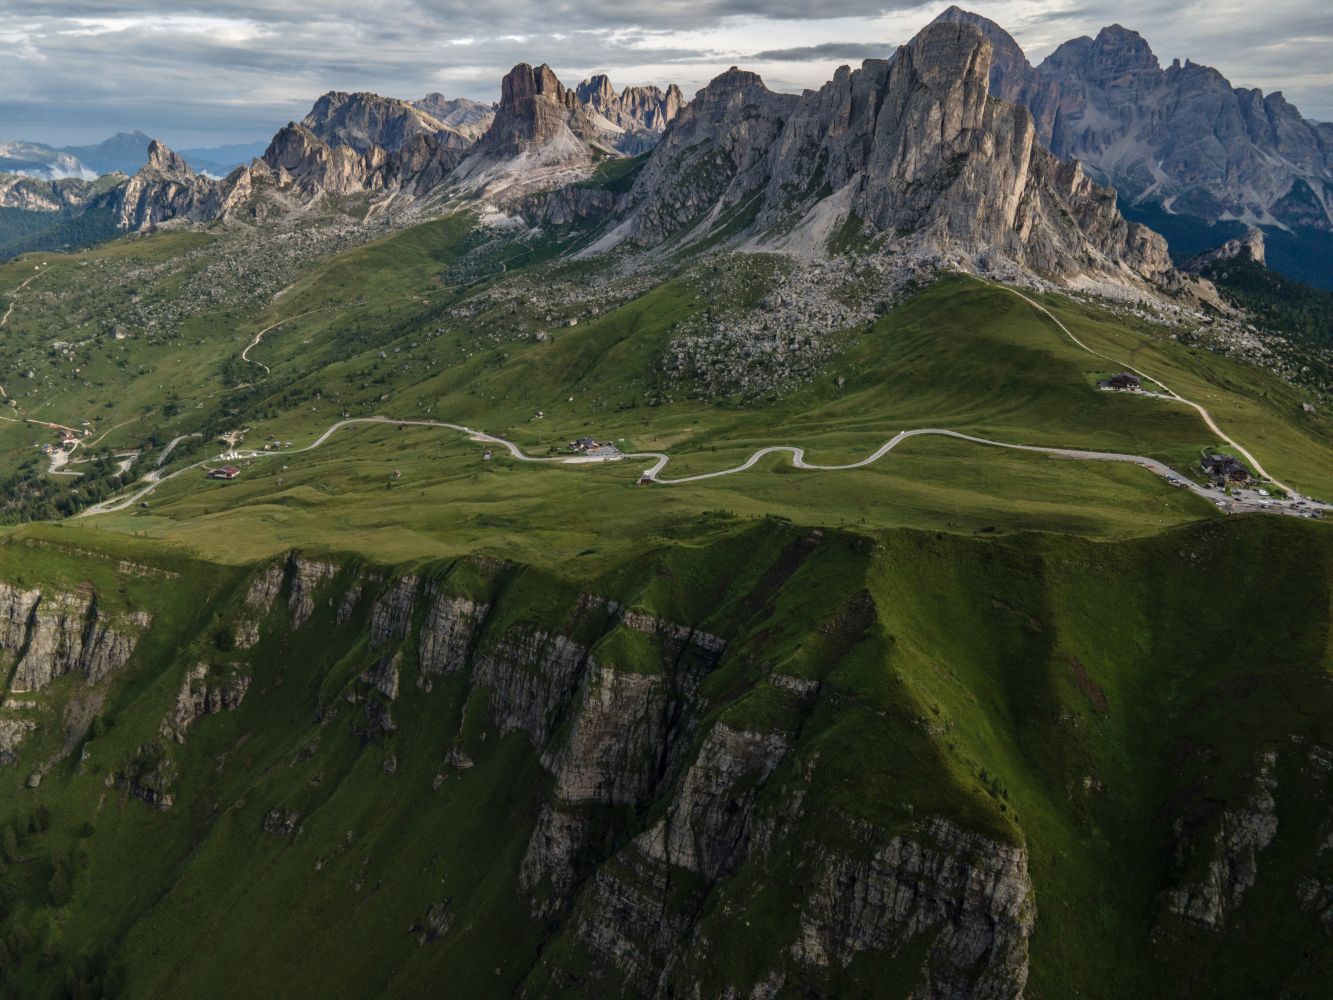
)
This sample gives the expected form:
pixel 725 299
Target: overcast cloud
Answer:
pixel 202 73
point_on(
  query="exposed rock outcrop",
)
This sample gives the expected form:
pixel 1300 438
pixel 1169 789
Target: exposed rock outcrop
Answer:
pixel 204 693
pixel 613 752
pixel 364 121
pixel 708 825
pixel 165 189
pixel 469 118
pixel 1231 862
pixel 391 615
pixel 33 194
pixel 12 734
pixel 448 632
pixel 150 776
pixel 533 677
pixel 1248 247
pixel 535 112
pixel 264 589
pixel 635 117
pixel 306 577
pixel 55 633
pixel 382 680
pixel 972 894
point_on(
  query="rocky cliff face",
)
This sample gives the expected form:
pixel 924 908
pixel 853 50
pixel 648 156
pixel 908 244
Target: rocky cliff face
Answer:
pixel 756 775
pixel 1231 861
pixel 911 145
pixel 165 189
pixel 364 120
pixel 50 634
pixel 536 111
pixel 34 194
pixel 204 692
pixel 712 158
pixel 1181 136
pixel 447 633
pixel 972 895
pixel 1248 247
pixel 47 634
pixel 609 701
pixel 306 577
pixel 546 136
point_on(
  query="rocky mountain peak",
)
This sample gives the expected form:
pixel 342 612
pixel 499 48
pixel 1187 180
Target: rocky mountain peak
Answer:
pixel 524 83
pixel 1107 102
pixel 946 59
pixel 292 145
pixel 163 160
pixel 733 88
pixel 468 118
pixel 913 147
pixel 363 120
pixel 1117 51
pixel 597 91
pixel 1010 68
pixel 1248 247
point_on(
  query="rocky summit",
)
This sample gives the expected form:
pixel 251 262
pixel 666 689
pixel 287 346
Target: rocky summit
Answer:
pixel 1181 135
pixel 912 144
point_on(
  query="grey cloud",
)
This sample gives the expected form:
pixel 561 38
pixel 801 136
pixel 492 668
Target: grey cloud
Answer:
pixel 67 75
pixel 852 51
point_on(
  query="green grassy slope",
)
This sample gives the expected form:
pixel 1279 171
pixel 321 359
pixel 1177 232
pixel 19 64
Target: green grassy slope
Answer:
pixel 412 326
pixel 1098 704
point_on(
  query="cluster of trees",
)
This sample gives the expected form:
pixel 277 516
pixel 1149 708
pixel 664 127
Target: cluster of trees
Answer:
pixel 29 494
pixel 1299 312
pixel 23 232
pixel 1280 304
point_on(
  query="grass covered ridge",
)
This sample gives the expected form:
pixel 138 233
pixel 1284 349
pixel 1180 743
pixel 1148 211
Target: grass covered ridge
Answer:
pixel 1085 700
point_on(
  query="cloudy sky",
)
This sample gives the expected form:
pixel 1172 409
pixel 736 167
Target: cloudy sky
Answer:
pixel 198 73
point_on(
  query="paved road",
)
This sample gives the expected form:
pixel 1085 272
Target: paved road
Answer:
pixel 154 479
pixel 654 473
pixel 1207 417
pixel 1246 501
pixel 171 446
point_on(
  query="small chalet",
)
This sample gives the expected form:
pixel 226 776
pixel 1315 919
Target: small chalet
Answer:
pixel 585 444
pixel 1225 469
pixel 225 472
pixel 1124 381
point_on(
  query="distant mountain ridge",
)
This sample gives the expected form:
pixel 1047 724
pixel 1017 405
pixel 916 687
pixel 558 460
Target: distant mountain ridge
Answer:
pixel 1182 136
pixel 938 151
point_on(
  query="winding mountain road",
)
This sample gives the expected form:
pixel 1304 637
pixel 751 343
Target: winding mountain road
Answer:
pixel 155 479
pixel 654 472
pixel 259 337
pixel 1207 417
